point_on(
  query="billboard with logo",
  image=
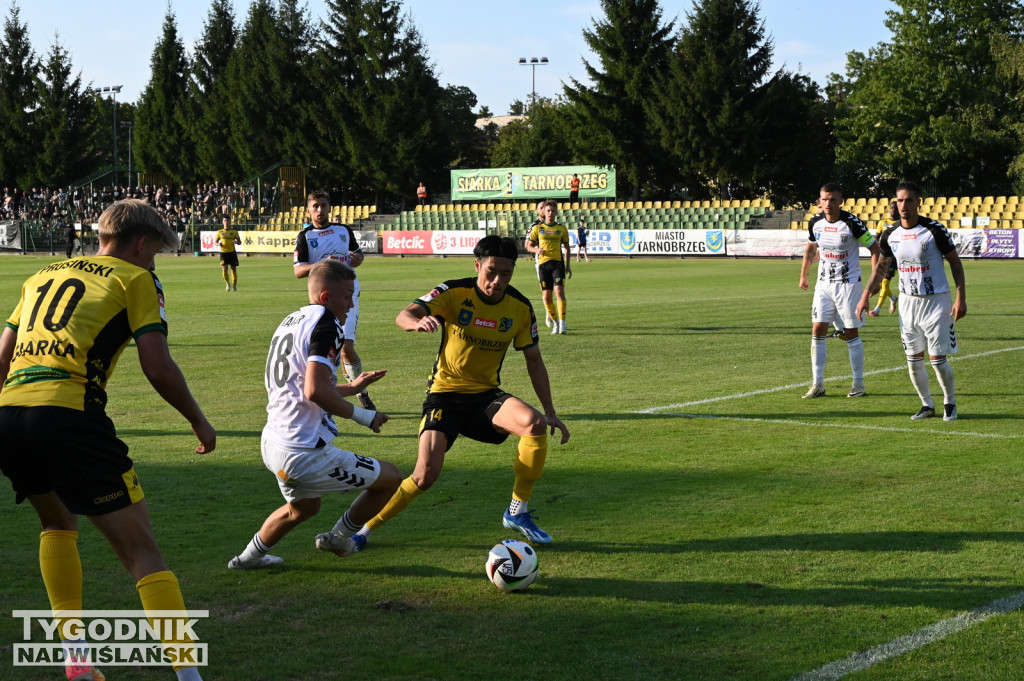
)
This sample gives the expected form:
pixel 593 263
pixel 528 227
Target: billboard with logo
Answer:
pixel 490 184
pixel 436 242
pixel 654 241
pixel 279 242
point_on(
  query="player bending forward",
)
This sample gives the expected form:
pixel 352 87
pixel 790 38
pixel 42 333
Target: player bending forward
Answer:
pixel 302 392
pixel 479 319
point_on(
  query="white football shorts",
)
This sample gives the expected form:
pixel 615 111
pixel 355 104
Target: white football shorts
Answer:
pixel 837 301
pixel 312 473
pixel 926 323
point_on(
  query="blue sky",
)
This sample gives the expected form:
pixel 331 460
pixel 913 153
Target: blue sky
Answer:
pixel 472 43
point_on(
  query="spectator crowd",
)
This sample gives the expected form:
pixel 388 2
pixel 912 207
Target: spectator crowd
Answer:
pixel 184 209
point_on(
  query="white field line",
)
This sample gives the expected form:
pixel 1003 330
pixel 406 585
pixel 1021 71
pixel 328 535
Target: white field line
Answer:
pixel 891 429
pixel 794 386
pixel 904 644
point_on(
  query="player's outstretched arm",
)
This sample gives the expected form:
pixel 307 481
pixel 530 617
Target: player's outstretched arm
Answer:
pixel 361 383
pixel 320 390
pixel 166 378
pixel 542 386
pixel 416 318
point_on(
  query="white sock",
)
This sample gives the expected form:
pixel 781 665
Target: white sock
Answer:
pixel 819 352
pixel 517 507
pixel 944 374
pixel 345 527
pixel 254 551
pixel 919 377
pixel 189 674
pixel 76 650
pixel 366 531
pixel 353 370
pixel 856 348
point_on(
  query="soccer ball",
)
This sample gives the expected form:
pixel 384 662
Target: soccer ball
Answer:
pixel 512 565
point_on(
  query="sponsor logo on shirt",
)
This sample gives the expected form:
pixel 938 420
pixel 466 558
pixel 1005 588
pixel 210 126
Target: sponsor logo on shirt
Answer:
pixel 486 323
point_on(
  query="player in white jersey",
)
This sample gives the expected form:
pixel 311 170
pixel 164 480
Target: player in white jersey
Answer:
pixel 918 245
pixel 325 239
pixel 302 398
pixel 835 237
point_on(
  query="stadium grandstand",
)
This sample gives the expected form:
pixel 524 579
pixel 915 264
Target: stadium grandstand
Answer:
pixel 990 212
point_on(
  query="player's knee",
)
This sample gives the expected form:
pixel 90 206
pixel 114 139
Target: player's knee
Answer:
pixel 390 476
pixel 536 425
pixel 426 477
pixel 303 510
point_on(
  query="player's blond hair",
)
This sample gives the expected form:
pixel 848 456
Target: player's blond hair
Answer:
pixel 130 219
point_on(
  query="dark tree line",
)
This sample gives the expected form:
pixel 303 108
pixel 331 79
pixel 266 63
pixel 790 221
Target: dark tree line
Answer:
pixel 691 106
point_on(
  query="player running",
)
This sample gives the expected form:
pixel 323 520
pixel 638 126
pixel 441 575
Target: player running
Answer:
pixel 548 240
pixel 479 319
pixel 302 398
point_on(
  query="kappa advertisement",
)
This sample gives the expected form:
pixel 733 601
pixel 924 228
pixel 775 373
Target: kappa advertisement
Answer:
pixel 279 242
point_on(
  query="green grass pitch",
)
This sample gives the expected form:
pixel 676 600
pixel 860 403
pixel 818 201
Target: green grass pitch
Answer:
pixel 708 522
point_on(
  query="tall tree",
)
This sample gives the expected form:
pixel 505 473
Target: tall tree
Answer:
pixel 632 45
pixel 930 105
pixel 209 113
pixel 709 103
pixel 19 70
pixel 66 122
pixel 268 83
pixel 384 99
pixel 160 135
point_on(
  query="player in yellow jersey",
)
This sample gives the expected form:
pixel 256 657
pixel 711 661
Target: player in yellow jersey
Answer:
pixel 886 292
pixel 479 319
pixel 227 238
pixel 548 240
pixel 60 449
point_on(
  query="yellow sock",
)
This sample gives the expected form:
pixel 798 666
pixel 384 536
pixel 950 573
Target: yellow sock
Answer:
pixel 62 571
pixel 883 293
pixel 224 273
pixel 234 277
pixel 550 307
pixel 529 464
pixel 406 492
pixel 160 591
pixel 561 310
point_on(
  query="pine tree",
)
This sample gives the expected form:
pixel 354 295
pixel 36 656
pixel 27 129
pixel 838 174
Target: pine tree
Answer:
pixel 382 96
pixel 708 113
pixel 632 46
pixel 268 88
pixel 19 69
pixel 160 135
pixel 209 113
pixel 66 121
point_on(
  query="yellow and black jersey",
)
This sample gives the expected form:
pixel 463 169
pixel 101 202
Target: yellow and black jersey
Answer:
pixel 226 239
pixel 475 335
pixel 74 319
pixel 550 238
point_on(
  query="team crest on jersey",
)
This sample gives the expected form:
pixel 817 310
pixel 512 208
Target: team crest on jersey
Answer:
pixel 627 240
pixel 465 317
pixel 505 324
pixel 312 243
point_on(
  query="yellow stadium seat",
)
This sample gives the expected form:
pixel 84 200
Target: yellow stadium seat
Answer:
pixel 677 204
pixel 1012 200
pixel 1018 224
